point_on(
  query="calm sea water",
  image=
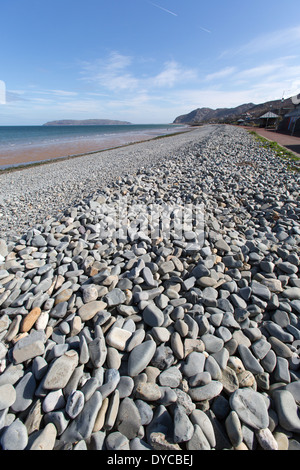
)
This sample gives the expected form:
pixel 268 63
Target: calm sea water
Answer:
pixel 14 137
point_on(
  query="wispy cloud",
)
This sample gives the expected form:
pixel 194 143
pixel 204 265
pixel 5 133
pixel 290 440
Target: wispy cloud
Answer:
pixel 274 40
pixel 120 73
pixel 226 72
pixel 162 8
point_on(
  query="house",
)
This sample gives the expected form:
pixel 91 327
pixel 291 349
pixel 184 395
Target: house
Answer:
pixel 268 120
pixel 290 123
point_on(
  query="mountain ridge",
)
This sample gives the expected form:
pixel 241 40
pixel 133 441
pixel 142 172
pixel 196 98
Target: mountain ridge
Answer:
pixel 249 110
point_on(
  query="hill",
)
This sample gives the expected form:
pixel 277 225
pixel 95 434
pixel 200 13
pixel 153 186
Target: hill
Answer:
pixel 249 110
pixel 87 122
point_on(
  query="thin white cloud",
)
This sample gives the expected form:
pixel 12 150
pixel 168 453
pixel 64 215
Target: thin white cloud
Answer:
pixel 115 75
pixel 226 72
pixel 163 9
pixel 274 40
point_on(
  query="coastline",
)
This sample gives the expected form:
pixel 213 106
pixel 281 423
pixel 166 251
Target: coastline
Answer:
pixel 29 194
pixel 11 159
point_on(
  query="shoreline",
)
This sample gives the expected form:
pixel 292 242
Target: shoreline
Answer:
pixel 29 194
pixel 122 303
pixel 59 152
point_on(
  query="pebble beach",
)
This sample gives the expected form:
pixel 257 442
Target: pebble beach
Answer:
pixel 150 298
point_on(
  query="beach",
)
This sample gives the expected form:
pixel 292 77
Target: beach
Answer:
pixel 34 144
pixel 150 298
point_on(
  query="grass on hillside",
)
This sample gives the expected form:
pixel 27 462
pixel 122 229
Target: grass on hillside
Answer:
pixel 281 152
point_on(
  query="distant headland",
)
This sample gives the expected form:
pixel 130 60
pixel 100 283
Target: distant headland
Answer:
pixel 87 122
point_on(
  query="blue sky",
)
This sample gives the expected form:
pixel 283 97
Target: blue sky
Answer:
pixel 143 61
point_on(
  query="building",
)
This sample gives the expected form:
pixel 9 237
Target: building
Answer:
pixel 268 120
pixel 290 123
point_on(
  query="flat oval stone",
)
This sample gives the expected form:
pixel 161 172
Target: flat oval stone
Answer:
pixel 128 421
pixel 140 357
pixel 7 396
pixel 250 407
pixel 194 364
pixel 25 390
pixel 46 439
pixel 15 436
pixel 117 441
pixel 30 319
pixel 249 361
pixel 183 428
pixel 287 410
pixel 212 343
pixel 88 311
pixel 82 426
pixel 153 316
pixel 75 403
pixel 207 392
pixel 117 338
pixel 170 377
pixel 61 370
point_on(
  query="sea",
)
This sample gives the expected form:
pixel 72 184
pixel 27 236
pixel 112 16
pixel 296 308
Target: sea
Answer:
pixel 28 144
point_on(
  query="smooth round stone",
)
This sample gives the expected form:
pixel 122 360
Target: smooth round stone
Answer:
pixel 11 374
pixel 201 419
pixel 292 293
pixel 203 378
pixel 266 439
pixel 115 297
pixel 45 439
pixel 75 403
pixel 7 396
pixel 287 267
pixel 89 294
pixel 260 348
pixel 25 390
pixel 148 391
pixel 140 357
pixel 212 343
pixel 15 436
pixel 234 429
pixel 153 316
pixel 30 319
pixel 63 296
pixel 183 428
pixel 170 377
pixel 207 392
pixel 128 421
pixel 145 411
pixel 280 348
pixel 125 386
pixel 89 310
pixel 269 361
pixel 117 338
pixel 82 426
pixel 294 389
pixel 249 361
pixel 117 441
pixel 194 364
pixel 198 441
pixel 287 410
pixel 250 407
pixel 61 370
pixel 229 380
pixel 177 345
pixel 160 334
pixel 53 401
